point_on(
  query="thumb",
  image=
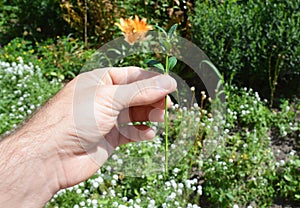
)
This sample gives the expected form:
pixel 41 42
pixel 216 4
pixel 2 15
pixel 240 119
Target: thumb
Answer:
pixel 144 92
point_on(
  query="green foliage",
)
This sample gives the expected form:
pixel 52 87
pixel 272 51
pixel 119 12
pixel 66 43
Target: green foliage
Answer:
pixel 285 119
pixel 289 183
pixel 62 58
pixel 8 17
pixel 93 20
pixel 253 42
pixel 102 15
pixel 35 20
pixel 242 170
pixel 246 109
pixel 23 90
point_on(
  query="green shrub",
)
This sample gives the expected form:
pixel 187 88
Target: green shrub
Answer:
pixel 35 20
pixel 23 90
pixel 61 58
pixel 8 17
pixel 255 42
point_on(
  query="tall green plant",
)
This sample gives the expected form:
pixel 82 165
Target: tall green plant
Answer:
pixel 170 63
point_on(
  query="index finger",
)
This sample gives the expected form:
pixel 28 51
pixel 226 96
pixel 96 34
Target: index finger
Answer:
pixel 127 75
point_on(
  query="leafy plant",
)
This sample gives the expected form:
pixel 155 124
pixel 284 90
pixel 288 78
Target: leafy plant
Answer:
pixel 253 43
pixel 62 58
pixel 34 20
pixel 24 89
pixel 170 63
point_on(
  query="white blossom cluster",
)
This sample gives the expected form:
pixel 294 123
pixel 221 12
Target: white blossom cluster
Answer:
pixel 23 89
pixel 102 187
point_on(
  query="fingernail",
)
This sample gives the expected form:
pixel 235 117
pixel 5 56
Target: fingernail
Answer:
pixel 166 82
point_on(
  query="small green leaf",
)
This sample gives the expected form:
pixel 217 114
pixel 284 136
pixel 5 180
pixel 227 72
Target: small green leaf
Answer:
pixel 155 63
pixel 288 178
pixel 136 192
pixel 229 196
pixel 172 62
pixel 161 29
pixel 159 66
pixel 53 73
pixel 151 62
pixel 172 30
pixel 297 163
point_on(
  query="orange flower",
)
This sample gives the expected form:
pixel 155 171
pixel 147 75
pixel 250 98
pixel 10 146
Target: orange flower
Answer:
pixel 134 30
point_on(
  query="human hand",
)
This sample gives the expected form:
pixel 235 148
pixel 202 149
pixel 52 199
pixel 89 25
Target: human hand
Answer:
pixel 77 130
pixel 103 99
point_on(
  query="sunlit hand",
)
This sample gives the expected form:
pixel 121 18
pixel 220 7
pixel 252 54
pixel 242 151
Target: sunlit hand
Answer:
pixel 78 129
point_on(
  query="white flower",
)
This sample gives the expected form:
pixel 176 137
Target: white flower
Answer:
pixel 120 161
pixel 113 182
pixel 179 191
pixel 180 185
pixel 115 176
pixel 292 153
pixel 235 206
pixel 176 170
pixel 99 180
pixel 174 185
pixel 171 197
pixel 112 193
pixel 94 202
pixel 199 191
pixel 114 157
pixel 95 184
pixel 151 203
pixel 168 184
pixel 143 192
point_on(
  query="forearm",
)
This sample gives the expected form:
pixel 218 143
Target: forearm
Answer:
pixel 24 179
pixel 27 162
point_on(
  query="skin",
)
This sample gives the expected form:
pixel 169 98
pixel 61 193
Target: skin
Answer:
pixel 76 131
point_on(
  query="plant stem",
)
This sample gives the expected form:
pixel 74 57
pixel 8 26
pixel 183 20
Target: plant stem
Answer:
pixel 166 117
